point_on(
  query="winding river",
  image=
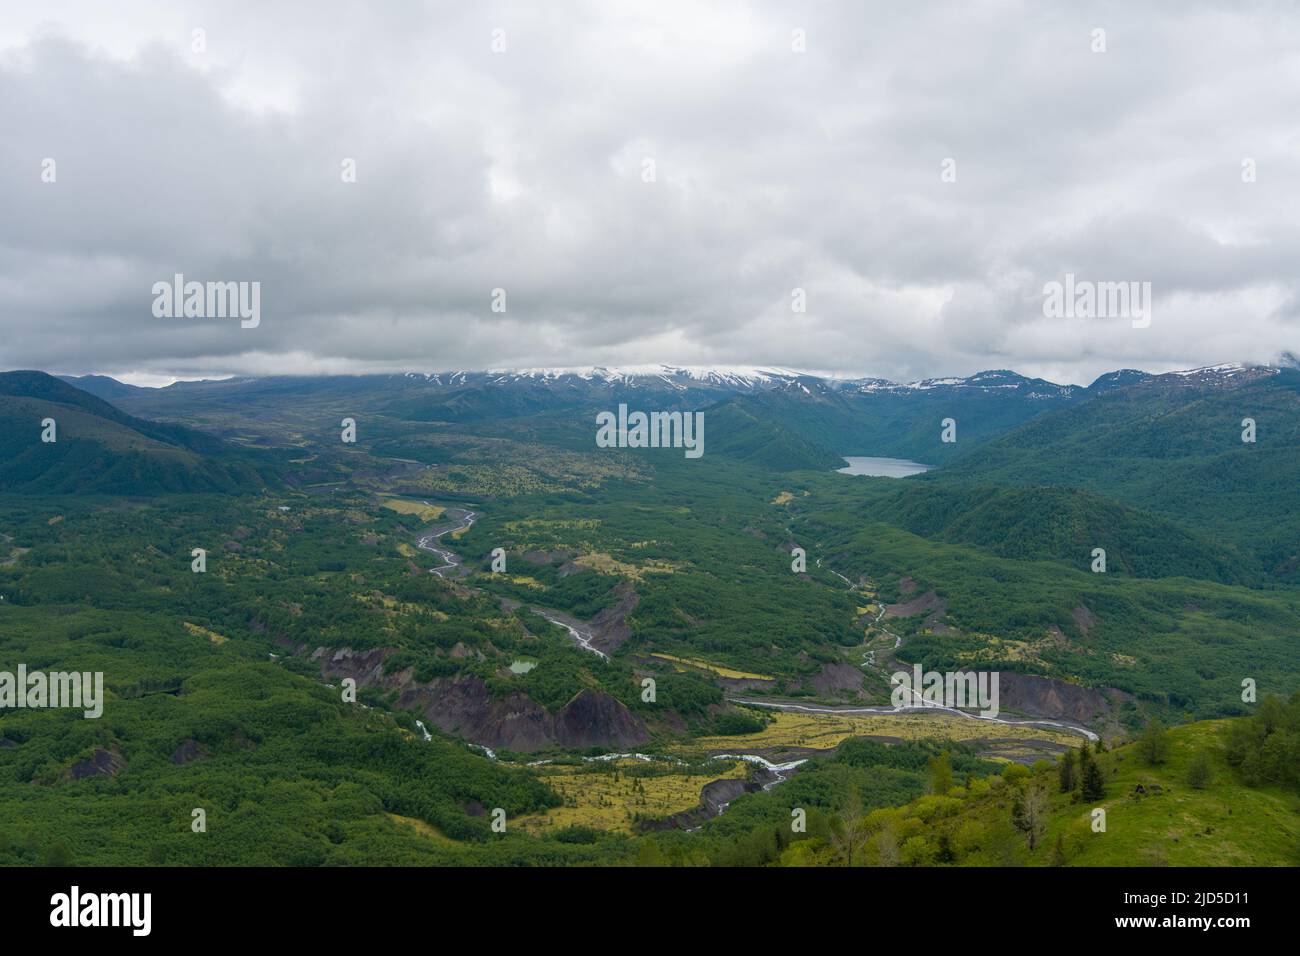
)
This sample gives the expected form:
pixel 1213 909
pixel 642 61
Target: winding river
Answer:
pixel 429 540
pixel 581 634
pixel 462 518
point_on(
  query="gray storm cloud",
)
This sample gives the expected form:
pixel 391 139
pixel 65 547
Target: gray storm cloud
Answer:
pixel 524 169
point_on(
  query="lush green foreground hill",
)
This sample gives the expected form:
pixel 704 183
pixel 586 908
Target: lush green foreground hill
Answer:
pixel 1192 808
pixel 1155 813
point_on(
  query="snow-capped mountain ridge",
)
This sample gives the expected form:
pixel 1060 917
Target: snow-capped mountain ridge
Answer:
pixel 721 375
pixel 771 378
pixel 745 379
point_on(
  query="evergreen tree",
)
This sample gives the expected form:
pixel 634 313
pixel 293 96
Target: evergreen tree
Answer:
pixel 1068 770
pixel 1092 783
pixel 1085 761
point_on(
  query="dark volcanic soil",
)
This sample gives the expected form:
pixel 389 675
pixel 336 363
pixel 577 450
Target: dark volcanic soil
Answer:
pixel 464 706
pixel 929 601
pixel 1053 699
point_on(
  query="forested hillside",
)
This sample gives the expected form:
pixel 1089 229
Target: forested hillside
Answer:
pixel 92 447
pixel 1173 445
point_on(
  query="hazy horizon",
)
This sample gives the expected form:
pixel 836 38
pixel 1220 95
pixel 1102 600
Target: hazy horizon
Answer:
pixel 162 381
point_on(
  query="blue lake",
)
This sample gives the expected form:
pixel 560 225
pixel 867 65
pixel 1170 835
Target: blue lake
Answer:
pixel 883 467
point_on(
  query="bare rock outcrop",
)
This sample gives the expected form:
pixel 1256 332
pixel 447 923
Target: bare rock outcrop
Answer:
pixel 101 763
pixel 610 626
pixel 466 707
pixel 1054 699
pixel 188 752
pixel 594 719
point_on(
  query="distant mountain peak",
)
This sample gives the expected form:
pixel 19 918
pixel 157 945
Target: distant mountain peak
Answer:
pixel 1226 374
pixel 988 381
pixel 717 375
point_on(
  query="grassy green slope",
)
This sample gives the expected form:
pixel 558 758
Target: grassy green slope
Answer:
pixel 1154 816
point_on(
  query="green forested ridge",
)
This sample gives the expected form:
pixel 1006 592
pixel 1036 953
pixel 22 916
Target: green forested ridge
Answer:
pixel 907 423
pixel 742 432
pixel 1174 449
pixel 1059 524
pixel 1198 639
pixel 99 449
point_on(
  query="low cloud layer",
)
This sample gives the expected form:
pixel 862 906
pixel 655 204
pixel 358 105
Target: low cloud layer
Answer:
pixel 524 169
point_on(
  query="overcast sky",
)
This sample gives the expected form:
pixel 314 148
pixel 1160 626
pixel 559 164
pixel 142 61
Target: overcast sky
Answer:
pixel 525 169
